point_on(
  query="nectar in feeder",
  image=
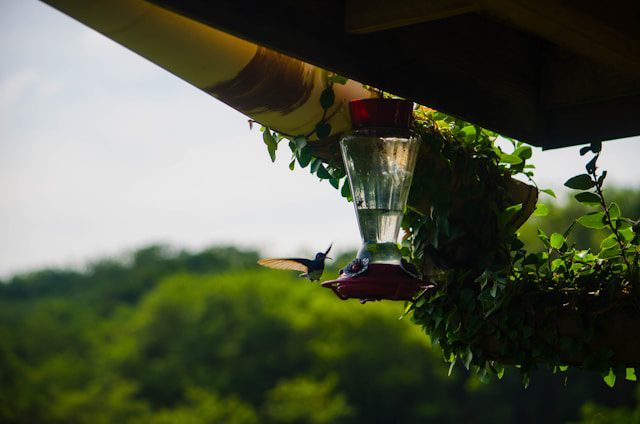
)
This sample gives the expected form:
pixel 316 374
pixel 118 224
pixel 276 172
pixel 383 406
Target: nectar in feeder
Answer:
pixel 379 156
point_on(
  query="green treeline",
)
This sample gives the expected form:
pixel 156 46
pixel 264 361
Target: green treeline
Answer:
pixel 168 336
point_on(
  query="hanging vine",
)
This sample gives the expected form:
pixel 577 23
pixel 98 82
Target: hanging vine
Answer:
pixel 497 304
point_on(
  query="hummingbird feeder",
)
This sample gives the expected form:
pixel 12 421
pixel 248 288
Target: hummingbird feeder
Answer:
pixel 379 156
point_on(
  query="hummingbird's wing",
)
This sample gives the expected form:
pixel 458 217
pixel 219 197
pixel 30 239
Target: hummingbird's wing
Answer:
pixel 298 264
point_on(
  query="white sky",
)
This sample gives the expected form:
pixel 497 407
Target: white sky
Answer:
pixel 102 152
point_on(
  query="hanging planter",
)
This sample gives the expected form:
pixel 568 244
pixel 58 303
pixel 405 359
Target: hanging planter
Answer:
pixel 379 158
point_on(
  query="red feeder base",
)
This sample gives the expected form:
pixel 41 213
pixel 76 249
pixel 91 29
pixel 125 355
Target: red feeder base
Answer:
pixel 378 282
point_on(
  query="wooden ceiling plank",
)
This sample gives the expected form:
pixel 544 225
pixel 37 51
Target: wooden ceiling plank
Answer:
pixel 446 76
pixel 601 121
pixel 572 28
pixel 367 16
pixel 571 80
pixel 476 68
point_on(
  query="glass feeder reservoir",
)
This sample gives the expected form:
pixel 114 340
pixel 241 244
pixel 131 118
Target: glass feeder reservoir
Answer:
pixel 380 163
pixel 379 156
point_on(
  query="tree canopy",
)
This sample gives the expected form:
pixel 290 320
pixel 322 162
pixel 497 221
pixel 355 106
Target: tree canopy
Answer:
pixel 164 335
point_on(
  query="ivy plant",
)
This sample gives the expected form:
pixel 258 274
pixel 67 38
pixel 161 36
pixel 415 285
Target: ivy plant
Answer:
pixel 301 146
pixel 495 303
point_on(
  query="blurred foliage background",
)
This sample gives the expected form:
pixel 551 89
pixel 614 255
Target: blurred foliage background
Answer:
pixel 167 336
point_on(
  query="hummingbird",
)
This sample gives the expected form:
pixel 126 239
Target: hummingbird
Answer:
pixel 311 268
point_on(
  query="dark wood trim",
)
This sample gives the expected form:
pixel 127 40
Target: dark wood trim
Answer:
pixel 365 16
pixel 575 27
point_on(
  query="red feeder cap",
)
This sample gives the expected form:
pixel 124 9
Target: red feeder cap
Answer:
pixel 393 113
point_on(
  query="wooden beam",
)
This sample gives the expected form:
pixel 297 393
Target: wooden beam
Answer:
pixel 367 16
pixel 576 28
pixel 497 76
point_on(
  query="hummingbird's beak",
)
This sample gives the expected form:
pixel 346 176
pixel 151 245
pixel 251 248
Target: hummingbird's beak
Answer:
pixel 327 257
pixel 328 250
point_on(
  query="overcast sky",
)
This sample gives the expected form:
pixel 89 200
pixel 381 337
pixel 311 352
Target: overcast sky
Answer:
pixel 102 152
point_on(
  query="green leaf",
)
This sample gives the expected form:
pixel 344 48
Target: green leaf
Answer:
pixel 272 153
pixel 510 159
pixel 334 182
pixel 499 371
pixel 272 144
pixel 631 374
pixel 323 129
pixel 315 165
pixel 437 320
pixel 494 289
pixel 591 165
pixel 524 152
pixel 614 211
pixel 627 233
pixel 485 295
pixel 484 376
pixel 557 240
pixel 526 378
pixel 337 173
pixel 543 237
pixel 541 210
pixel 304 156
pixel 588 198
pixel 602 177
pixel 292 164
pixel 443 124
pixel 327 98
pixel 580 182
pixel 468 133
pixel 549 192
pixel 531 259
pixel 509 213
pixel 584 150
pixel 338 79
pixel 268 138
pixel 322 173
pixel 613 252
pixel 467 358
pixel 610 378
pixel 609 242
pixel 592 220
pixel 623 223
pixel 300 141
pixel 516 244
pixel 346 189
pixel 557 263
